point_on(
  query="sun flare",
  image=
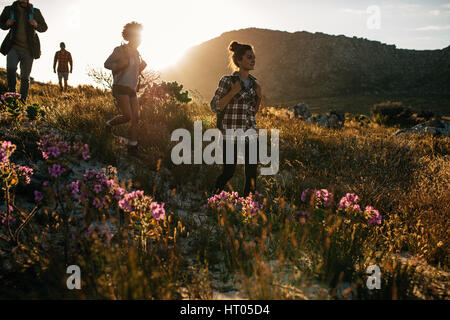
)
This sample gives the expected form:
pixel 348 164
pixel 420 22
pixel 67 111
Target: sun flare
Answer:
pixel 169 33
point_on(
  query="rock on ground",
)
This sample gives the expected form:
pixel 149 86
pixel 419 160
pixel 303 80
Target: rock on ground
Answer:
pixel 332 119
pixel 433 128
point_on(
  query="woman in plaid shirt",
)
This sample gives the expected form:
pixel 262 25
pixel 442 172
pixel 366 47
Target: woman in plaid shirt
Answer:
pixel 236 102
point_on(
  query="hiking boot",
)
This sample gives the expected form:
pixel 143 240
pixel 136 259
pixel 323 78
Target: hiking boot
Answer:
pixel 133 151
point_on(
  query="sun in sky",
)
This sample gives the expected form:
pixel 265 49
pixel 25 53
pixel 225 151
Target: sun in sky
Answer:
pixel 170 27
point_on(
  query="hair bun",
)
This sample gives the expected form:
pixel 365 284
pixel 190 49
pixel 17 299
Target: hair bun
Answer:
pixel 234 46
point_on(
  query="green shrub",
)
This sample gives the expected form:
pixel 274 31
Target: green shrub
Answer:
pixel 392 114
pixel 34 111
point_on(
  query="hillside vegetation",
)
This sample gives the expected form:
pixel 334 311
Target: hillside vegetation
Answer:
pixel 325 71
pixel 286 244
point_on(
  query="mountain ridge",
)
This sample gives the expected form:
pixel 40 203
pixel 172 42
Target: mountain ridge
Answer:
pixel 296 65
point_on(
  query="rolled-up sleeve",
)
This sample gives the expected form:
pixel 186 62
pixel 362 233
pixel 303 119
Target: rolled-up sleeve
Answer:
pixel 4 17
pixel 222 90
pixel 42 25
pixel 111 62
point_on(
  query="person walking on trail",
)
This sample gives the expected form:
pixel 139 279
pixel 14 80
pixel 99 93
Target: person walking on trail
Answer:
pixel 126 65
pixel 21 45
pixel 236 103
pixel 63 59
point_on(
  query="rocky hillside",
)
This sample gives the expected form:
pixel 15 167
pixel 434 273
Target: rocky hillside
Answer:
pixel 294 66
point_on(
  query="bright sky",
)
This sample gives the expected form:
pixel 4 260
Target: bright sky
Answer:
pixel 92 28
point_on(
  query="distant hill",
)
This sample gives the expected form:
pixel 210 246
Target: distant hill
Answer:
pixel 294 66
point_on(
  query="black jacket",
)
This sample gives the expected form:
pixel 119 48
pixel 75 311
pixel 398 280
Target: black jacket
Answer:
pixel 33 39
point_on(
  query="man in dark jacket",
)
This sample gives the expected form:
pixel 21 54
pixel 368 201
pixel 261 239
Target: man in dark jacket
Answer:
pixel 21 45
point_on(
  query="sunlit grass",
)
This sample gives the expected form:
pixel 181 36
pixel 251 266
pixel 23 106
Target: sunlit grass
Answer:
pixel 274 256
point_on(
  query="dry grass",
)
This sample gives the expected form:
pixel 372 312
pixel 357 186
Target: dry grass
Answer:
pixel 406 179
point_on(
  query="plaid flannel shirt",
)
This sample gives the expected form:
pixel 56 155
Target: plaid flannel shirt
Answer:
pixel 63 58
pixel 240 111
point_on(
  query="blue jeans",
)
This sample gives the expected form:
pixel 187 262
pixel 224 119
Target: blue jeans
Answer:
pixel 25 59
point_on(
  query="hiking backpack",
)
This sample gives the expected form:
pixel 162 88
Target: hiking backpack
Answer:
pixel 30 16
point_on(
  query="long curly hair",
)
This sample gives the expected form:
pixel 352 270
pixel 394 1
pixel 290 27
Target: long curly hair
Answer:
pixel 130 27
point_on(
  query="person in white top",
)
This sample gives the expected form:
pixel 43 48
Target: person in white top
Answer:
pixel 126 65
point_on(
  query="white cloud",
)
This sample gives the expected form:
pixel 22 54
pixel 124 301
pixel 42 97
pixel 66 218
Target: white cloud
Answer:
pixel 433 28
pixel 425 38
pixel 353 11
pixel 447 5
pixel 402 6
pixel 403 10
pixel 435 12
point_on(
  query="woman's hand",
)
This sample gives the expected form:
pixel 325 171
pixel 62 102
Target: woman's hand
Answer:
pixel 9 23
pixel 236 88
pixel 225 100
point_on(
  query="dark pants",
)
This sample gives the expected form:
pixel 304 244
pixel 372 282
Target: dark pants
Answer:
pixel 25 59
pixel 251 170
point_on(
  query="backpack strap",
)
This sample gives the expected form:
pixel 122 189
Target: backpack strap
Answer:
pixel 31 15
pixel 13 16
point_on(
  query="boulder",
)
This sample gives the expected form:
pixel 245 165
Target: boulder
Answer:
pixel 324 121
pixel 433 128
pixel 332 119
pixel 301 110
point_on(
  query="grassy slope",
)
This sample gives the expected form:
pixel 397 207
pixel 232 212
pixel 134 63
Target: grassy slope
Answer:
pixel 405 178
pixel 363 104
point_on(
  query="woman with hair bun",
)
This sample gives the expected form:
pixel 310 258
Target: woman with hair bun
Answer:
pixel 236 102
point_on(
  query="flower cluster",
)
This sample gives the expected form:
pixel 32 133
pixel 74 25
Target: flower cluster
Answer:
pixel 24 173
pixel 10 96
pixel 38 196
pixel 224 196
pixel 6 150
pixel 372 216
pixel 143 214
pixel 94 189
pixel 54 147
pixel 350 204
pixel 248 207
pixel 4 218
pixel 12 173
pixel 56 171
pixel 319 198
pixel 158 211
pixel 138 205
